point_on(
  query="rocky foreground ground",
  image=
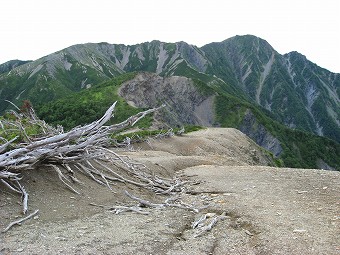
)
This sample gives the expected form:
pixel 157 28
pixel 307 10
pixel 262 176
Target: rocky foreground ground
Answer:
pixel 261 209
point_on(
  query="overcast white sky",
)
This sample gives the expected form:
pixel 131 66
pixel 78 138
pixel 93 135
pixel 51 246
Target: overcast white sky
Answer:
pixel 31 29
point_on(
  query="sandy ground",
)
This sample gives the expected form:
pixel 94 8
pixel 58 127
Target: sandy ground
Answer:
pixel 267 210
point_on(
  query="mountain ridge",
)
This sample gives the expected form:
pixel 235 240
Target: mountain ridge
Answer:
pixel 241 71
pixel 246 64
pixel 191 102
pixel 11 64
pixel 278 83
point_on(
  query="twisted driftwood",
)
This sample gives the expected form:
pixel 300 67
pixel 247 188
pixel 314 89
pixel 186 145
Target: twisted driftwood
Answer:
pixel 82 149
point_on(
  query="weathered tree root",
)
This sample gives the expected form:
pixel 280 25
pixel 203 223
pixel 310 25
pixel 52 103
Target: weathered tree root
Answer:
pixel 119 209
pixel 206 222
pixel 201 226
pixel 81 149
pixel 145 203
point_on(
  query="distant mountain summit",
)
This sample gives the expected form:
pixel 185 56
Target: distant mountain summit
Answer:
pixel 288 87
pixel 9 65
pixel 297 92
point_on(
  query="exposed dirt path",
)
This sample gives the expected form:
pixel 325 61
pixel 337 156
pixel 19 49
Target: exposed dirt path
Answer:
pixel 286 211
pixel 268 210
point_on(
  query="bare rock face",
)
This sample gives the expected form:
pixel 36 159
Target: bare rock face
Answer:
pixel 260 134
pixel 185 104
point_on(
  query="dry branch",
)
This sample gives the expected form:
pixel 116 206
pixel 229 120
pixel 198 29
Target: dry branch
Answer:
pixel 24 197
pixel 145 203
pixel 5 145
pixel 119 209
pixel 10 186
pixel 203 224
pixel 18 222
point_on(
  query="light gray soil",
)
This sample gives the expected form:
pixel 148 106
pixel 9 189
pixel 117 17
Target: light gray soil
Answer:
pixel 268 210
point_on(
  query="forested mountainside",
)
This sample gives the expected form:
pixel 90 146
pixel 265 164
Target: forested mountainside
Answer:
pixel 191 102
pixel 241 82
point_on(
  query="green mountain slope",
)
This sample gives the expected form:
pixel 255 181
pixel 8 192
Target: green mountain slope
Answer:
pixel 298 93
pixel 319 90
pixel 252 84
pixel 193 102
pixel 82 66
pixel 87 105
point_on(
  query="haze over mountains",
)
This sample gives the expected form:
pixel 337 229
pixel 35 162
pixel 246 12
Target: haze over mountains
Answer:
pixel 244 69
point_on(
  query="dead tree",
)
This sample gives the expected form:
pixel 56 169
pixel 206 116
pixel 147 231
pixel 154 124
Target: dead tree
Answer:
pixel 83 150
